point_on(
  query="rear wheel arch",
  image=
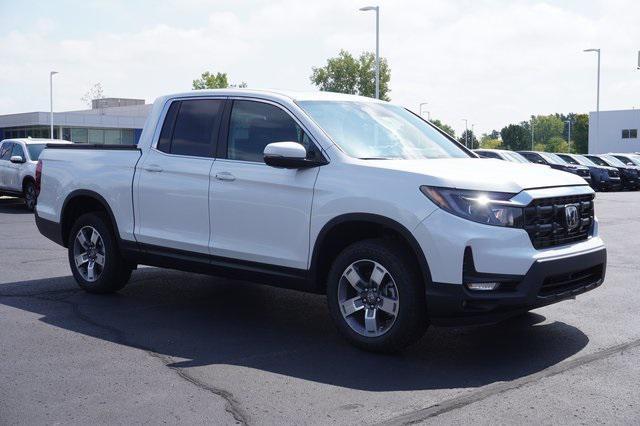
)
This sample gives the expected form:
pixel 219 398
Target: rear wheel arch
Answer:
pixel 346 229
pixel 80 202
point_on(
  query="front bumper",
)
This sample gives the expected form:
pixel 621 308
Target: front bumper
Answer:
pixel 547 281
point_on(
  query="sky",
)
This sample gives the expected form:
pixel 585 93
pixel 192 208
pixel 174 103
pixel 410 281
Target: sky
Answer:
pixel 491 62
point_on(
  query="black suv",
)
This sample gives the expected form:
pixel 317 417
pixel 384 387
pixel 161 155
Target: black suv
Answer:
pixel 603 178
pixel 555 162
pixel 630 175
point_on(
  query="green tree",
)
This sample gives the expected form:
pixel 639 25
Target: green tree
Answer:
pixel 444 127
pixel 488 142
pixel 546 127
pixel 539 147
pixel 469 139
pixel 515 137
pixel 556 144
pixel 580 134
pixel 346 74
pixel 214 81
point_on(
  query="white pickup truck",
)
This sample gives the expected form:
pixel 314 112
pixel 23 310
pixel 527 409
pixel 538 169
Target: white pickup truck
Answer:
pixel 398 224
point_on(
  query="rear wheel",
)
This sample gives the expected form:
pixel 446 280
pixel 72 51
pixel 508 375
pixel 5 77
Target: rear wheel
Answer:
pixel 94 257
pixel 376 297
pixel 29 194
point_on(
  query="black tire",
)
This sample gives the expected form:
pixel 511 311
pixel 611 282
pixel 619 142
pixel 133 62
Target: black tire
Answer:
pixel 29 195
pixel 116 272
pixel 411 319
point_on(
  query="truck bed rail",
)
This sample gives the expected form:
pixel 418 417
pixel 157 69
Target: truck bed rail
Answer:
pixel 92 146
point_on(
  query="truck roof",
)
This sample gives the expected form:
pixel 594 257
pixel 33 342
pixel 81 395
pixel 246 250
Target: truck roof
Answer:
pixel 275 93
pixel 35 140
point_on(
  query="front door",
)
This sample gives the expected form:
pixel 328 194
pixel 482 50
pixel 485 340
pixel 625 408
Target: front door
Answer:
pixel 173 186
pixel 260 213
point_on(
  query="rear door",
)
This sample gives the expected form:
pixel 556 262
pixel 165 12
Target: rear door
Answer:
pixel 173 185
pixel 261 213
pixel 5 155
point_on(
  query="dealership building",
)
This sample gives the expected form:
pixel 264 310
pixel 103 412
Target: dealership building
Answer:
pixel 109 121
pixel 618 131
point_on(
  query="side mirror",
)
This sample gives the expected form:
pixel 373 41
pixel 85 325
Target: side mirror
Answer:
pixel 17 159
pixel 288 155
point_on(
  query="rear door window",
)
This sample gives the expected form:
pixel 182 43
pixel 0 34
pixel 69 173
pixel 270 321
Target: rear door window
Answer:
pixel 191 127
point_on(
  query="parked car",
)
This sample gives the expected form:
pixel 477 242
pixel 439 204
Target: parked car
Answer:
pixel 603 178
pixel 502 154
pixel 628 159
pixel 630 175
pixel 555 162
pixel 18 159
pixel 359 199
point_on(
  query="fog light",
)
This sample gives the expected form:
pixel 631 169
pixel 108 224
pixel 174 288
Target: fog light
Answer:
pixel 483 286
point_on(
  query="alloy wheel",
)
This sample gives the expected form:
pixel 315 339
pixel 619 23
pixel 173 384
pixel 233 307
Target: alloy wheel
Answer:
pixel 368 298
pixel 89 253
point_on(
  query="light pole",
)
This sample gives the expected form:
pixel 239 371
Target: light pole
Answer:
pixel 420 111
pixel 532 133
pixel 472 133
pixel 377 9
pixel 597 97
pixel 466 132
pixel 51 74
pixel 569 134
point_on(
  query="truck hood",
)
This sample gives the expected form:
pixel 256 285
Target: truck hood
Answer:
pixel 481 174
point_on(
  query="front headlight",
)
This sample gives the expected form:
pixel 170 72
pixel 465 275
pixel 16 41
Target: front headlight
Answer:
pixel 490 208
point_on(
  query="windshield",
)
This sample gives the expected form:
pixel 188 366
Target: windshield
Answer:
pixel 515 157
pixel 629 159
pixel 552 158
pixel 599 161
pixel 584 160
pixel 35 149
pixel 370 130
pixel 568 159
pixel 613 160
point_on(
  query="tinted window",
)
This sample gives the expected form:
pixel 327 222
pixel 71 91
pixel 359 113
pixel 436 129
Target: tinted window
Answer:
pixel 195 129
pixel 625 134
pixel 633 133
pixel 534 158
pixel 598 161
pixel 254 125
pixel 568 159
pixel 164 143
pixel 5 151
pixel 35 150
pixel 17 150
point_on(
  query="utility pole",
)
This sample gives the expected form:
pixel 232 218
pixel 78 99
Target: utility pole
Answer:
pixel 51 74
pixel 569 134
pixel 597 97
pixel 466 132
pixel 532 133
pixel 377 10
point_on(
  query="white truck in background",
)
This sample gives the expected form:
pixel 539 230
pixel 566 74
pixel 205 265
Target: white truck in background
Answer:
pixel 359 199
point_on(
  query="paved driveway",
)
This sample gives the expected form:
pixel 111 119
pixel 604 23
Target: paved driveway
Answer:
pixel 184 348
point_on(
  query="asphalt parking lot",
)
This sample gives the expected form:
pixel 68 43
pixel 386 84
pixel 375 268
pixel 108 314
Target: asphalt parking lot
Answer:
pixel 176 347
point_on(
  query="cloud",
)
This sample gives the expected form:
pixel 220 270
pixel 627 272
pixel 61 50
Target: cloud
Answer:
pixel 493 62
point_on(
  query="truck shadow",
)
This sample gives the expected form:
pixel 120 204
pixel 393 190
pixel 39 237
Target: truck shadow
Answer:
pixel 10 205
pixel 205 321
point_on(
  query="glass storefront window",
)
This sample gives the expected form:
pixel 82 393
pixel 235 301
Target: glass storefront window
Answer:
pixel 96 136
pixel 79 135
pixel 113 137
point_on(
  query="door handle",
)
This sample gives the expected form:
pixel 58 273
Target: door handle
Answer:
pixel 153 168
pixel 225 176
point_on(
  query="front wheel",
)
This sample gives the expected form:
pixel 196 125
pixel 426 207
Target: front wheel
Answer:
pixel 376 297
pixel 94 257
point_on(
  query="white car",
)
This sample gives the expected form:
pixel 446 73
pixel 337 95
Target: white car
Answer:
pixel 359 199
pixel 502 154
pixel 18 158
